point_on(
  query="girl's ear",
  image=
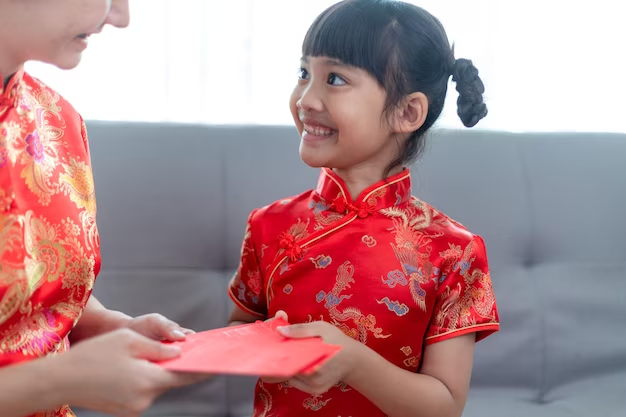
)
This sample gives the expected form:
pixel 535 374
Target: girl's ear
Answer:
pixel 411 113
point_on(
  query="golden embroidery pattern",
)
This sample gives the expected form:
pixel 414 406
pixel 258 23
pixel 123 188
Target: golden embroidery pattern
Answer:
pixel 369 241
pixel 363 323
pixel 49 245
pixel 322 216
pixel 42 147
pixel 315 403
pixel 321 261
pixel 458 309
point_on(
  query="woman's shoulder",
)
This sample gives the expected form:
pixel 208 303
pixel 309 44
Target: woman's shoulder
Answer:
pixel 46 96
pixel 46 103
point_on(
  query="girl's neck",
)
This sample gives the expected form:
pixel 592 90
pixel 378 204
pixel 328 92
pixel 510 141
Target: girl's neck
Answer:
pixel 357 179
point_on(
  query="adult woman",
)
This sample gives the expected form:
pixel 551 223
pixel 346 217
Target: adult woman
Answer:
pixel 49 244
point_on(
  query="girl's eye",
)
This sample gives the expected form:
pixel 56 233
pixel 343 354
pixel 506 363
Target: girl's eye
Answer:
pixel 335 79
pixel 303 74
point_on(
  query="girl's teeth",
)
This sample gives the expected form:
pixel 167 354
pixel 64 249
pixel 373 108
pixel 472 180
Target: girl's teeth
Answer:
pixel 317 131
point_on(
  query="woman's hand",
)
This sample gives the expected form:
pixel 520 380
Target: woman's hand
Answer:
pixel 157 327
pixel 97 320
pixel 114 373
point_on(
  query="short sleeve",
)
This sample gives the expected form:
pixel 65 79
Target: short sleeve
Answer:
pixel 247 288
pixel 465 299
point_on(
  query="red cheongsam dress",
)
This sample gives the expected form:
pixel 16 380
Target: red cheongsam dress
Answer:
pixel 387 269
pixel 49 245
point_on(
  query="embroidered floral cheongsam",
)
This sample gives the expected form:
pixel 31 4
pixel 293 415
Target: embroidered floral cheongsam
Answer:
pixel 49 245
pixel 386 268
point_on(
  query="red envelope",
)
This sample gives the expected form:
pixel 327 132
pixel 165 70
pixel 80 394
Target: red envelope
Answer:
pixel 255 349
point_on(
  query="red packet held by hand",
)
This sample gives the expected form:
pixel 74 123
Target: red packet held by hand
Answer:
pixel 255 349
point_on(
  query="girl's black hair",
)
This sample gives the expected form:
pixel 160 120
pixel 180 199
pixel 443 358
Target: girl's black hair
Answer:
pixel 407 50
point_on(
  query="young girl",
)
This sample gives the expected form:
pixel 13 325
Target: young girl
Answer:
pixel 358 260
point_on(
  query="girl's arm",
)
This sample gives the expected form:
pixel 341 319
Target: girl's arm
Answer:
pixel 440 390
pixel 240 316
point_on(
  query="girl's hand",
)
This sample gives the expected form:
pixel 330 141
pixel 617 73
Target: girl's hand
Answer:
pixel 157 327
pixel 334 371
pixel 270 379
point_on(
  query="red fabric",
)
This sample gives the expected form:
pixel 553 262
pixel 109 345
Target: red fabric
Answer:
pixel 250 349
pixel 387 269
pixel 49 247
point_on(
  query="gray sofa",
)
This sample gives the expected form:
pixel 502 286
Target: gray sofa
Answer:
pixel 173 201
